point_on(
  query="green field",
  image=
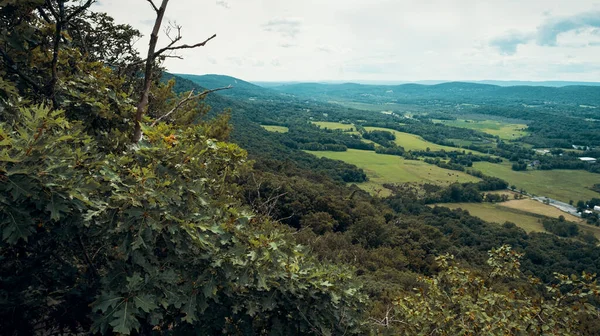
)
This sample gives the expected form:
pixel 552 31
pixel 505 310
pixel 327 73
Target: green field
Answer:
pixel 411 141
pixel 335 126
pixel 278 129
pixel 394 169
pixel 563 185
pixel 503 130
pixel 495 213
pixel 530 222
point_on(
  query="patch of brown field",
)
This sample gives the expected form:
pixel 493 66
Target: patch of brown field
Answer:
pixel 540 208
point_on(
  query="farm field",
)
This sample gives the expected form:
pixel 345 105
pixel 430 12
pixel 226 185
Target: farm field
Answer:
pixel 411 141
pixel 562 185
pixel 495 213
pixel 393 169
pixel 335 126
pixel 540 208
pixel 503 130
pixel 277 129
pixel 503 212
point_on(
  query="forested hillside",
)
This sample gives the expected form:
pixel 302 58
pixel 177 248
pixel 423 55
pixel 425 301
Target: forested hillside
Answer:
pixel 136 202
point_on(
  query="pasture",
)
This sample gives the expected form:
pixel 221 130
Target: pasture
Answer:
pixel 523 213
pixel 495 213
pixel 562 185
pixel 393 169
pixel 540 208
pixel 277 129
pixel 411 141
pixel 335 126
pixel 505 131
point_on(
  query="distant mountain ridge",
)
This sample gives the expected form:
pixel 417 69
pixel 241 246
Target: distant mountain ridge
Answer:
pixel 435 82
pixel 448 93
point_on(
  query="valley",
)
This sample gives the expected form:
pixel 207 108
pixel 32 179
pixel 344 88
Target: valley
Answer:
pixel 388 169
pixel 138 201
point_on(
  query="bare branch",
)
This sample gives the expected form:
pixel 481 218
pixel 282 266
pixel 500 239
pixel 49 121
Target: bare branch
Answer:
pixel 173 56
pixel 79 10
pixel 153 5
pixel 44 15
pixel 185 46
pixel 190 96
pixel 52 10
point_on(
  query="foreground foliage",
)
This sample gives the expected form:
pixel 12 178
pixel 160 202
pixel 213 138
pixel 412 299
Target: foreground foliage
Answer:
pixel 461 302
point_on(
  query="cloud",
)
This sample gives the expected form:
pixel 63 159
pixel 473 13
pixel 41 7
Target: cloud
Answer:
pixel 547 33
pixel 287 27
pixel 508 43
pixel 223 4
pixel 286 45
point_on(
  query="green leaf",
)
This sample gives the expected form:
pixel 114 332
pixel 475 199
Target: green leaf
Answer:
pixel 16 226
pixel 56 207
pixel 190 310
pixel 145 303
pixel 125 320
pixel 106 301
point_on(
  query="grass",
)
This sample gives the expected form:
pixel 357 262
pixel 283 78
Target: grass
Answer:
pixel 563 185
pixel 393 169
pixel 505 131
pixel 495 213
pixel 335 126
pixel 278 129
pixel 523 213
pixel 540 208
pixel 411 141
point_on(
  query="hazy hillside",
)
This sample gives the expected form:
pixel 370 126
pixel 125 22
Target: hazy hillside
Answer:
pixel 457 92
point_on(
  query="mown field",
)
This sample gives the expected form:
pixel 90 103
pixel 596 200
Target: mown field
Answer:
pixel 540 208
pixel 495 213
pixel 335 126
pixel 411 141
pixel 523 213
pixel 394 169
pixel 505 131
pixel 278 129
pixel 563 185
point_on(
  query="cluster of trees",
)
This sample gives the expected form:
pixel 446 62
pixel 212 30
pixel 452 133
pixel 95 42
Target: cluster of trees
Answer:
pixel 561 227
pixel 383 138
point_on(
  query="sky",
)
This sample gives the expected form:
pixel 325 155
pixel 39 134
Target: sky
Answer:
pixel 379 40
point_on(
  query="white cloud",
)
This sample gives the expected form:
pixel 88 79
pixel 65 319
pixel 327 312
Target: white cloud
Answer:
pixel 380 39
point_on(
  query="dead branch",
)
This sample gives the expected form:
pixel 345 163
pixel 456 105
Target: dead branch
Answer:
pixel 79 10
pixel 44 15
pixel 142 105
pixel 190 97
pixel 153 5
pixel 185 46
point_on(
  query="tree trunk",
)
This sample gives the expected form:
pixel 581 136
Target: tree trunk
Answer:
pixel 143 103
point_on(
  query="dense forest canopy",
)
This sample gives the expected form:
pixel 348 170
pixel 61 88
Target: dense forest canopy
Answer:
pixel 129 206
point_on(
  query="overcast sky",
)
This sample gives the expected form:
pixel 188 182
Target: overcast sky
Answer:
pixel 398 40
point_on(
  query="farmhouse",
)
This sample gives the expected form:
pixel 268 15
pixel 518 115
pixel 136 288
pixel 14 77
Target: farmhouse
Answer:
pixel 588 159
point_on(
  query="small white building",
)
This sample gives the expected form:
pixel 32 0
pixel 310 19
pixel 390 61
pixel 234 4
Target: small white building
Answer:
pixel 597 208
pixel 588 159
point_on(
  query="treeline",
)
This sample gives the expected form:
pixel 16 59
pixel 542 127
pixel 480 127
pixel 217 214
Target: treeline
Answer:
pixel 465 192
pixel 307 136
